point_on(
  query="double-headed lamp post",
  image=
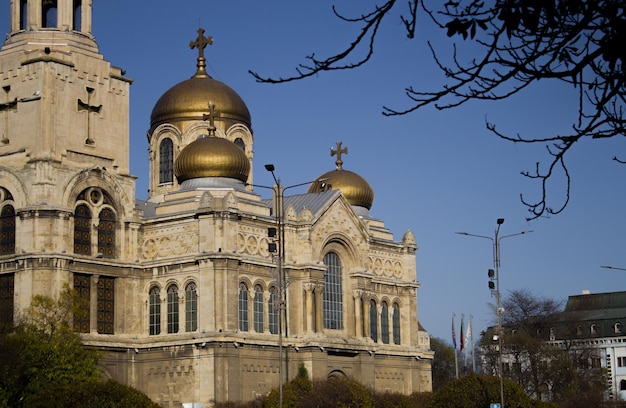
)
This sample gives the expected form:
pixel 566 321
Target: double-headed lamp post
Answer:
pixel 278 197
pixel 495 290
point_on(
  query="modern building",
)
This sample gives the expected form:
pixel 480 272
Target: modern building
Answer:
pixel 205 292
pixel 597 321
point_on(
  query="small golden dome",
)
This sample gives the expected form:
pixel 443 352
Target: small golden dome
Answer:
pixel 355 188
pixel 211 156
pixel 189 100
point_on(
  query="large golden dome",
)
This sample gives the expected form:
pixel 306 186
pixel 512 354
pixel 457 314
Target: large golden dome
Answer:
pixel 211 156
pixel 355 188
pixel 189 100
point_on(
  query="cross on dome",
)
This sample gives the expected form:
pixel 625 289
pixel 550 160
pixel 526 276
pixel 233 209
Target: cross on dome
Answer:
pixel 200 43
pixel 338 152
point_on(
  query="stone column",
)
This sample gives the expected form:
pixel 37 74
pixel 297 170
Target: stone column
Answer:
pixel 319 307
pixel 309 289
pixel 358 312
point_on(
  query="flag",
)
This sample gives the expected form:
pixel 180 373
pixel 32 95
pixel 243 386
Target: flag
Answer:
pixel 461 338
pixel 468 335
pixel 453 333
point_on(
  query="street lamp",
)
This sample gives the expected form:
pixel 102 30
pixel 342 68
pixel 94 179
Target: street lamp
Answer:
pixel 495 289
pixel 278 198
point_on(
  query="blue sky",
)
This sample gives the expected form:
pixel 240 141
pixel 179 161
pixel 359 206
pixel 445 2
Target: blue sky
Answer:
pixel 433 172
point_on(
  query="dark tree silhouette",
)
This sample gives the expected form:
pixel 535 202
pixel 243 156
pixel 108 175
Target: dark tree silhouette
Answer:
pixel 520 42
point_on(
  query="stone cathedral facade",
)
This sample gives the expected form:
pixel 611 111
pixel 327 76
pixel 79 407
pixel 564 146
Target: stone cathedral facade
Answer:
pixel 184 289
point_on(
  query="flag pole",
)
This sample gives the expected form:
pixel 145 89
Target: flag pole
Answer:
pixel 456 362
pixel 470 334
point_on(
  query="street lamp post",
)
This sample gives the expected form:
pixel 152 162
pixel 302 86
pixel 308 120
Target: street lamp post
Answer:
pixel 495 290
pixel 278 197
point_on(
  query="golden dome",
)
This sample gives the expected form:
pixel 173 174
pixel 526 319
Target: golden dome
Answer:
pixel 355 188
pixel 189 100
pixel 211 156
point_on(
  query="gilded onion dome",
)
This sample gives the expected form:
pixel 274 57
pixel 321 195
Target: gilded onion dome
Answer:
pixel 355 188
pixel 188 100
pixel 211 156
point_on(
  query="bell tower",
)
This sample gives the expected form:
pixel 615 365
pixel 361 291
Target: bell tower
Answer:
pixel 64 127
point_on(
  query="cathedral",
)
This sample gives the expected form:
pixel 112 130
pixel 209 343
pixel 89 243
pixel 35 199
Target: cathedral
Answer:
pixel 207 291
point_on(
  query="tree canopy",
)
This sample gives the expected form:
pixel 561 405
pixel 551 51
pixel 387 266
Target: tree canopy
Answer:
pixel 43 363
pixel 514 43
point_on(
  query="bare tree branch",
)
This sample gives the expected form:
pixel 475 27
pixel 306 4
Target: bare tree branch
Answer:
pixel 521 42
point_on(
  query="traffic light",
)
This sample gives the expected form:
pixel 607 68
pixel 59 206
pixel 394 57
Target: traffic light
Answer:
pixel 271 246
pixel 492 274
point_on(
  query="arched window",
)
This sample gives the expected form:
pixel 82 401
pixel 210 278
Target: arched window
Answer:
pixel 243 307
pixel 593 329
pixel 617 328
pixel 384 323
pixel 172 309
pixel 106 233
pixel 191 307
pixel 49 13
pixel 258 309
pixel 396 323
pixel 622 385
pixel 155 310
pixel 82 230
pixel 373 321
pixel 23 14
pixel 7 230
pixel 94 207
pixel 166 161
pixel 77 15
pixel 552 333
pixel 239 142
pixel 273 308
pixel 333 293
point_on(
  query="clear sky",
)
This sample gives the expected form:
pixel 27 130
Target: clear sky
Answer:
pixel 433 172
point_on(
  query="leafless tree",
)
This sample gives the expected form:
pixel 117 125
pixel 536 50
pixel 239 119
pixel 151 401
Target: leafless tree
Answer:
pixel 520 42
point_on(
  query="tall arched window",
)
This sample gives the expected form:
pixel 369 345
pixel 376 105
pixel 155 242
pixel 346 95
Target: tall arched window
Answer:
pixel 106 233
pixel 384 323
pixel 191 307
pixel 23 14
pixel 166 161
pixel 396 323
pixel 7 230
pixel 273 309
pixel 155 310
pixel 49 13
pixel 622 385
pixel 77 11
pixel 172 309
pixel 373 321
pixel 258 309
pixel 333 293
pixel 82 230
pixel 243 307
